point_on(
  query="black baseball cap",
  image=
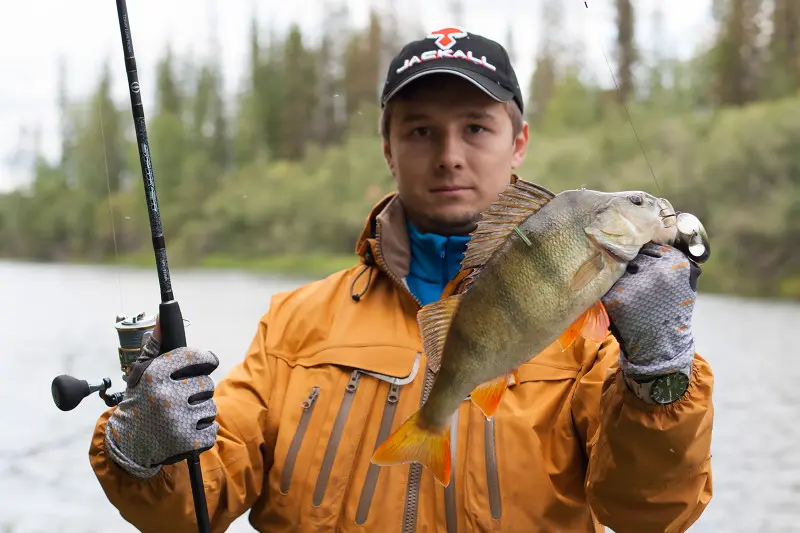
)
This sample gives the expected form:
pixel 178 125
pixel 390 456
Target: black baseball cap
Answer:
pixel 453 50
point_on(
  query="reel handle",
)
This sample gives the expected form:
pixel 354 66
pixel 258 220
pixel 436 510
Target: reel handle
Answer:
pixel 68 392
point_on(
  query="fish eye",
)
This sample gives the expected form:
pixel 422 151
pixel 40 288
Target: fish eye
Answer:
pixel 636 199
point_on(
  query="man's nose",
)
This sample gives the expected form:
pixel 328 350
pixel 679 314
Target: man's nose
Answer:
pixel 451 150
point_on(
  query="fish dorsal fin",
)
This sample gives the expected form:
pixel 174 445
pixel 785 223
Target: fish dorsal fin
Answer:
pixel 517 202
pixel 434 321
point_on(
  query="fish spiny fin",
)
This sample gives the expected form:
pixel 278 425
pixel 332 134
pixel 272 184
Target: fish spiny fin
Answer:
pixel 517 202
pixel 414 443
pixel 595 328
pixel 434 322
pixel 587 272
pixel 487 395
pixel 592 324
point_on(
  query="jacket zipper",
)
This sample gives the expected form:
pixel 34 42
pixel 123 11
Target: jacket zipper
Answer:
pixel 492 479
pixel 297 440
pixel 389 408
pixel 335 438
pixel 450 491
pixel 415 472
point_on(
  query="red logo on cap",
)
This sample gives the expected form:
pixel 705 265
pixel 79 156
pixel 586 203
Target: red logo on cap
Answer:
pixel 446 37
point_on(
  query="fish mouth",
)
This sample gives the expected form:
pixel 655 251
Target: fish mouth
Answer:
pixel 614 256
pixel 668 214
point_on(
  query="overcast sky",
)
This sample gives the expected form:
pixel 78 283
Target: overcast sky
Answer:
pixel 33 34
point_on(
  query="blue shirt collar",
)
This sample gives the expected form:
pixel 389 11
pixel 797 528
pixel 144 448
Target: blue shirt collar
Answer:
pixel 435 260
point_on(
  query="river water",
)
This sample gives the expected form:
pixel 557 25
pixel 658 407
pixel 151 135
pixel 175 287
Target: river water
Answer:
pixel 60 319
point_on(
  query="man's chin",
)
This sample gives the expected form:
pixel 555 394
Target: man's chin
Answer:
pixel 453 223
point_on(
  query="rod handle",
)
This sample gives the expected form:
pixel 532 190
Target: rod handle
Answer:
pixel 173 331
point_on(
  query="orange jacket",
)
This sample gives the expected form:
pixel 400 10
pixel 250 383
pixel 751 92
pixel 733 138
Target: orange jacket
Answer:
pixel 336 365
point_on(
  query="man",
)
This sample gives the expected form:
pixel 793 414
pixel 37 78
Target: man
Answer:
pixel 586 437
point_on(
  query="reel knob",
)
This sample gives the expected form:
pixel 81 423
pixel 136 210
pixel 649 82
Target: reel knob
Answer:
pixel 68 392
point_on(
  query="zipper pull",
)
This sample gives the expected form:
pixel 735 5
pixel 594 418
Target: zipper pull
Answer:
pixel 308 402
pixel 394 393
pixel 355 377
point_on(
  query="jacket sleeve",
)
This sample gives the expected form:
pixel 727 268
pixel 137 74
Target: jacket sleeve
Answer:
pixel 649 466
pixel 233 470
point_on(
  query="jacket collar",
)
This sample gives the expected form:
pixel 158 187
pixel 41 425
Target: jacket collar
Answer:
pixel 384 240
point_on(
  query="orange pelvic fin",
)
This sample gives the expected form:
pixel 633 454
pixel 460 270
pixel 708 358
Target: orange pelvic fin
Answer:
pixel 592 324
pixel 412 442
pixel 487 395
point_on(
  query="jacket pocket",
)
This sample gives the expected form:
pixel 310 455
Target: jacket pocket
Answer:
pixel 323 448
pixel 371 480
pixel 297 439
pixel 335 437
pixel 515 478
pixel 492 479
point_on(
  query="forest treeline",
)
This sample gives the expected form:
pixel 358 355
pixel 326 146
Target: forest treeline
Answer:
pixel 290 167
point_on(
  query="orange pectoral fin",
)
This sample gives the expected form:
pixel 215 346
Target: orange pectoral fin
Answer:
pixel 414 443
pixel 571 334
pixel 595 328
pixel 592 325
pixel 487 395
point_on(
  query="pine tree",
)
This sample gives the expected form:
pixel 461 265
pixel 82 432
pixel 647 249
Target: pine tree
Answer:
pixel 626 50
pixel 737 56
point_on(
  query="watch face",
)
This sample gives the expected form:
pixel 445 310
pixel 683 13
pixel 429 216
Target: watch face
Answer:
pixel 670 388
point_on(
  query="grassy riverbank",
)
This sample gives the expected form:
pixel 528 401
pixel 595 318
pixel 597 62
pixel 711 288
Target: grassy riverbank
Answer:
pixel 299 266
pixel 716 277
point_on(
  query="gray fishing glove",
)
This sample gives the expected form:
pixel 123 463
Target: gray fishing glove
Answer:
pixel 168 411
pixel 650 308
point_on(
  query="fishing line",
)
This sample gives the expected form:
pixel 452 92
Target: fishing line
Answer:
pixel 111 207
pixel 630 119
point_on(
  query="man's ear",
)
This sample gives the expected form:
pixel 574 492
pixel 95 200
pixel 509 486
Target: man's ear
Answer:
pixel 387 154
pixel 520 147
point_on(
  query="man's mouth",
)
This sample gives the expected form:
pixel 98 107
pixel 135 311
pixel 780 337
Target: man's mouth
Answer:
pixel 449 188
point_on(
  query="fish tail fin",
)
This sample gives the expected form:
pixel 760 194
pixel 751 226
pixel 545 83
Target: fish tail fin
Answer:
pixel 413 442
pixel 487 395
pixel 592 324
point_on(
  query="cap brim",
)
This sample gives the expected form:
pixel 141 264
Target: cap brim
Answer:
pixel 488 86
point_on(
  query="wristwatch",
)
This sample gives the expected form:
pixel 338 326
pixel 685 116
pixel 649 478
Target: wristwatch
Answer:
pixel 661 390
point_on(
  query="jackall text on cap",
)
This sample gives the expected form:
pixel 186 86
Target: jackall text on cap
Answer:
pixel 453 50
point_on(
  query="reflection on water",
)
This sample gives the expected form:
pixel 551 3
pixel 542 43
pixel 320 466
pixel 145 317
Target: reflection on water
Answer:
pixel 60 319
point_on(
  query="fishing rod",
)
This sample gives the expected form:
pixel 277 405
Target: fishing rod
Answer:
pixel 68 391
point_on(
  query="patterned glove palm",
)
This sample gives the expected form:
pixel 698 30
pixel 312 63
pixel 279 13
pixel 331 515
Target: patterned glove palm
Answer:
pixel 650 308
pixel 168 411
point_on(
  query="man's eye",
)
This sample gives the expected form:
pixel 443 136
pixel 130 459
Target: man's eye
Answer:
pixel 476 128
pixel 422 131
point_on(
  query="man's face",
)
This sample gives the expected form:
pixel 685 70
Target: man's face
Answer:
pixel 452 150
